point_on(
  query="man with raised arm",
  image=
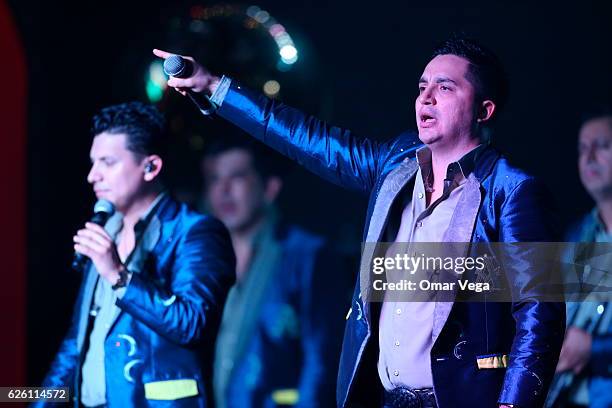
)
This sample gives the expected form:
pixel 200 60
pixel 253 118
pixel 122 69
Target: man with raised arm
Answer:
pixel 446 184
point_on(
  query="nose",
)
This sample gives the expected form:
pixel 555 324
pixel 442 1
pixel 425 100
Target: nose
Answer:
pixel 225 187
pixel 93 175
pixel 218 188
pixel 426 97
pixel 589 153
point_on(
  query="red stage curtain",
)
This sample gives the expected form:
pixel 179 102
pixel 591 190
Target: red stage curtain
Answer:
pixel 13 107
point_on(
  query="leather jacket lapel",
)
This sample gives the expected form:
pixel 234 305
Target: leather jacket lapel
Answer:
pixel 391 186
pixel 460 230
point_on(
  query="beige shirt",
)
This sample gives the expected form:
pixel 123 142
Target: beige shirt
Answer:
pixel 405 330
pixel 105 311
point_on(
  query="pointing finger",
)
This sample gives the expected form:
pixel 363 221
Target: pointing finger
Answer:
pixel 162 54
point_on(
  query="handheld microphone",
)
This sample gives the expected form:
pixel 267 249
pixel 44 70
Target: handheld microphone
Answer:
pixel 180 67
pixel 103 210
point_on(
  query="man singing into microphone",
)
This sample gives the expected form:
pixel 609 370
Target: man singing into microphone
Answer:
pixel 149 307
pixel 446 184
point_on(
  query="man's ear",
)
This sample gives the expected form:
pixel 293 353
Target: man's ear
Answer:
pixel 485 111
pixel 273 187
pixel 152 165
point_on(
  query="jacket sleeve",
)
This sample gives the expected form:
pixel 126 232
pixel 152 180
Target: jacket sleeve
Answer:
pixel 201 274
pixel 326 297
pixel 330 152
pixel 540 325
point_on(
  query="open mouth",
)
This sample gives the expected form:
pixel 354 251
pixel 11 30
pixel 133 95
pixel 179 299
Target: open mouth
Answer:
pixel 591 173
pixel 227 208
pixel 427 119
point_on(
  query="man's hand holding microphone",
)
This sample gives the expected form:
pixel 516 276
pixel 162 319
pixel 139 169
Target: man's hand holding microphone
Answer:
pixel 190 79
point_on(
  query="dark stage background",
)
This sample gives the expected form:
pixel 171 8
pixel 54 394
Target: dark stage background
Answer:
pixel 358 67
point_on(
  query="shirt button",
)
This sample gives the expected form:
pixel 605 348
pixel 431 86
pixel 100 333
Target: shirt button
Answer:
pixel 420 224
pixel 398 311
pixel 421 195
pixel 397 342
pixel 396 373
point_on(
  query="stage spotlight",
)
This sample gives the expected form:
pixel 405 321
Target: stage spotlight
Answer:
pixel 288 54
pixel 156 81
pixel 271 88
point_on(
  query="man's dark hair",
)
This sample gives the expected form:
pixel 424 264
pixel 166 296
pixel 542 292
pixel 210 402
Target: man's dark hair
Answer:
pixel 143 124
pixel 485 71
pixel 266 162
pixel 603 110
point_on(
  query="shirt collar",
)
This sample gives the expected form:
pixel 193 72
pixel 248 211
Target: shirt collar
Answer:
pixel 457 171
pixel 465 165
pixel 145 218
pixel 115 223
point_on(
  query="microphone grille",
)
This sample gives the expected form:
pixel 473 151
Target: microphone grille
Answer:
pixel 176 66
pixel 104 206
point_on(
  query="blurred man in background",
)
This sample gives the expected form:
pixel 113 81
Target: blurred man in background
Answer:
pixel 585 363
pixel 281 333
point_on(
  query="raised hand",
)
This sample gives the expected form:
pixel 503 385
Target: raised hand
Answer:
pixel 200 81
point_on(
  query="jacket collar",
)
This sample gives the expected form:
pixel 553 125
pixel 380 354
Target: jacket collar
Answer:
pixel 484 162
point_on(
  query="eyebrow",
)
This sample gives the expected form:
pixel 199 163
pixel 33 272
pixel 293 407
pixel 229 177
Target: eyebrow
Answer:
pixel 439 80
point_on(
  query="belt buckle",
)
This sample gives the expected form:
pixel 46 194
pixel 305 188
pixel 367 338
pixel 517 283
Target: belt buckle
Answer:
pixel 407 398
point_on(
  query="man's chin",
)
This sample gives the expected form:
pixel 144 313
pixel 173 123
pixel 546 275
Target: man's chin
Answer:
pixel 599 189
pixel 428 137
pixel 232 224
pixel 240 224
pixel 106 196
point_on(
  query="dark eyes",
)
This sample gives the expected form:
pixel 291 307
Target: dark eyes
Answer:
pixel 108 162
pixel 597 145
pixel 442 88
